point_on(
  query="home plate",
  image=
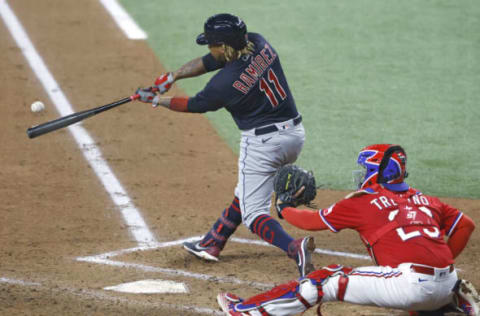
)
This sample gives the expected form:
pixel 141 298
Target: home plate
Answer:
pixel 149 287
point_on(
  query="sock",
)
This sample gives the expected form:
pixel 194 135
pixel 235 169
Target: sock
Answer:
pixel 224 227
pixel 267 228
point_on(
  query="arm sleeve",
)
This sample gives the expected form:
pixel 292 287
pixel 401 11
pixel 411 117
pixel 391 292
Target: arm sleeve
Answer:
pixel 304 219
pixel 211 64
pixel 461 234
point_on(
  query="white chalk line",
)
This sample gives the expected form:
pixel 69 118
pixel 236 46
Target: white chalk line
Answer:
pixel 105 258
pixel 103 296
pixel 152 246
pixel 123 20
pixel 177 272
pixel 18 282
pixel 172 243
pixel 317 250
pixel 91 152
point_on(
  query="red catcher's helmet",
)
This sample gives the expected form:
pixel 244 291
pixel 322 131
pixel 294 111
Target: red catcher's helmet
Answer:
pixel 384 164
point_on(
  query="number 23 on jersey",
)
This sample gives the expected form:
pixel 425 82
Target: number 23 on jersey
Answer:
pixel 414 216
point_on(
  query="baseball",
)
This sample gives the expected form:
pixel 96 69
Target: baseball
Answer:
pixel 37 106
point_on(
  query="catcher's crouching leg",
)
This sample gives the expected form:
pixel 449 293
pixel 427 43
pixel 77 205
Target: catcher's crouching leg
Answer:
pixel 290 298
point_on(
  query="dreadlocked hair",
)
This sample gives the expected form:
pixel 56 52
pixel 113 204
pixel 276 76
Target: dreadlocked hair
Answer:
pixel 232 54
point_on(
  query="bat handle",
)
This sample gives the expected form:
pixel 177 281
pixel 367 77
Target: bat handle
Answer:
pixel 137 96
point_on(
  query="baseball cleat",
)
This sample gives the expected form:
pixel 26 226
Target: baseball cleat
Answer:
pixel 210 253
pixel 301 250
pixel 468 299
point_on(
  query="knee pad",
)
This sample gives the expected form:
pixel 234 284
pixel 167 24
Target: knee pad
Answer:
pixel 330 271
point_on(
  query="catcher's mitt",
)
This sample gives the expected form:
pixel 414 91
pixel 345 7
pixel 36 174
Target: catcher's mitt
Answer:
pixel 288 183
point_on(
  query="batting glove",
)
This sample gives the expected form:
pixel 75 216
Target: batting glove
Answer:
pixel 164 82
pixel 146 95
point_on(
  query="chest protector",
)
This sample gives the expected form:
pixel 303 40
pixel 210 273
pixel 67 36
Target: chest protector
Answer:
pixel 405 215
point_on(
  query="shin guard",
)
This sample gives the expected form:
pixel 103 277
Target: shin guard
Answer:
pixel 295 296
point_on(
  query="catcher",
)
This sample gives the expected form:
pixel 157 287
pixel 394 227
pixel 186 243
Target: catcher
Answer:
pixel 403 231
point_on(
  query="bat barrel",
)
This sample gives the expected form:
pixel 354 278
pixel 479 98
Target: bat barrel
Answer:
pixel 64 121
pixel 51 126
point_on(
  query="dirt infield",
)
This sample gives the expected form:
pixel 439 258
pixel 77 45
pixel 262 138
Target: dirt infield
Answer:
pixel 175 168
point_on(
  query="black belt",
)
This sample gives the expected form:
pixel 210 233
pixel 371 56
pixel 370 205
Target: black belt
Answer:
pixel 274 128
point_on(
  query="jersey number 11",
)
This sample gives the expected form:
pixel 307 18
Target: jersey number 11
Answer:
pixel 265 87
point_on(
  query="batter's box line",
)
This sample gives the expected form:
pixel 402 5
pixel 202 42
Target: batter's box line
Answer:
pixel 106 259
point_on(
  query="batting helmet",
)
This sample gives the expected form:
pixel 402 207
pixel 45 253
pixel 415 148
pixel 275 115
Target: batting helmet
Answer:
pixel 384 164
pixel 224 28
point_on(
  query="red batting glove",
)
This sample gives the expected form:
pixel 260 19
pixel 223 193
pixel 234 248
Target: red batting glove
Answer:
pixel 164 82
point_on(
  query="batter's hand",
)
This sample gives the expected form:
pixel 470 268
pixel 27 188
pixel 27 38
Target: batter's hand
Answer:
pixel 146 95
pixel 164 82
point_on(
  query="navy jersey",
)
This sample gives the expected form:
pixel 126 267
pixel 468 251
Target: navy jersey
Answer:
pixel 253 88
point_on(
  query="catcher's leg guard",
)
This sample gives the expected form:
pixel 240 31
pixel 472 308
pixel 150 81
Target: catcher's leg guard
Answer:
pixel 286 299
pixel 224 227
pixel 337 274
pixel 293 297
pixel 326 273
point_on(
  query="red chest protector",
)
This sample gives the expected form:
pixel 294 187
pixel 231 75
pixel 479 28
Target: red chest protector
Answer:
pixel 404 215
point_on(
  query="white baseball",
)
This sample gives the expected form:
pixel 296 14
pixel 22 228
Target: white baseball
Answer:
pixel 37 106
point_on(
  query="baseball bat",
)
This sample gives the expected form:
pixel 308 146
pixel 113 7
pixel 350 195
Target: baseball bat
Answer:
pixel 64 121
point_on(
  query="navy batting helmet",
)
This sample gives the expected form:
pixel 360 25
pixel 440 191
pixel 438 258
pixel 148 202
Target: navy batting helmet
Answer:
pixel 224 28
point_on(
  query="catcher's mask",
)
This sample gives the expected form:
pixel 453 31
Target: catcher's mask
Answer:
pixel 224 28
pixel 384 164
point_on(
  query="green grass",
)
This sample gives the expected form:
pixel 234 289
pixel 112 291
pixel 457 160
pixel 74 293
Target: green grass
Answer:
pixel 362 72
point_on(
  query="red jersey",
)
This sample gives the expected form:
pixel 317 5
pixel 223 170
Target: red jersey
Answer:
pixel 397 227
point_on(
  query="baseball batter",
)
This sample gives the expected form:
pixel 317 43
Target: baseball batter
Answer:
pixel 251 85
pixel 403 231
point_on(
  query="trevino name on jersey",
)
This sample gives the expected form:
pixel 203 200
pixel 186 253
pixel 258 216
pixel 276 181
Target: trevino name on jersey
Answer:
pixel 253 89
pixel 399 227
